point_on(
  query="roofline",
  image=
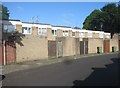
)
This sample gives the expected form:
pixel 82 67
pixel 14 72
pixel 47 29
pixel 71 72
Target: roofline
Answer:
pixel 61 26
pixel 36 23
pixel 13 20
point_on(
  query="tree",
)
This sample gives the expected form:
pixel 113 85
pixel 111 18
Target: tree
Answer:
pixel 106 19
pixel 9 36
pixel 4 12
pixel 92 21
pixel 110 17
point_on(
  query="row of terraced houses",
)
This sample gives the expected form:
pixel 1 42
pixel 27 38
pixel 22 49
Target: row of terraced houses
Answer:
pixel 25 41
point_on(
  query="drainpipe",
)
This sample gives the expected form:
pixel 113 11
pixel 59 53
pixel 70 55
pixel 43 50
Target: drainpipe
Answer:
pixel 4 57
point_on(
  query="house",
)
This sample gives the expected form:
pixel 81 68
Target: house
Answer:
pixel 36 41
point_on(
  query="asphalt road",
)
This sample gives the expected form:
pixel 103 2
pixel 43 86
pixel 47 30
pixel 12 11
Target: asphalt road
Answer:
pixel 89 71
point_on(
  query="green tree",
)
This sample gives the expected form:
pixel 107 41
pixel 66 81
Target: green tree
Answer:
pixel 110 18
pixel 4 12
pixel 106 19
pixel 92 21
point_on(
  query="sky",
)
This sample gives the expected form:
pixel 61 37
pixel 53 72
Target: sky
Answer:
pixel 55 13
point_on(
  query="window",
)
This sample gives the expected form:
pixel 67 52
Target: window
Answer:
pixel 54 32
pixel 65 33
pixel 5 28
pixel 101 35
pixel 73 34
pixel 42 31
pixel 26 30
pixel 29 30
pixel 89 34
pixel 82 34
pixel 9 28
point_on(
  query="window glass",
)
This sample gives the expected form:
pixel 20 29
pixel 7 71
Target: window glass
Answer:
pixel 29 30
pixel 26 30
pixel 89 34
pixel 82 34
pixel 39 31
pixel 42 31
pixel 53 32
pixel 101 35
pixel 9 28
pixel 65 33
pixel 73 33
pixel 5 28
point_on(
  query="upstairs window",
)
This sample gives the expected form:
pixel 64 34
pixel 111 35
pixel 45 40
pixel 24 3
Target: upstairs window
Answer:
pixel 73 34
pixel 42 31
pixel 82 34
pixel 26 30
pixel 65 33
pixel 54 32
pixel 101 35
pixel 9 28
pixel 89 34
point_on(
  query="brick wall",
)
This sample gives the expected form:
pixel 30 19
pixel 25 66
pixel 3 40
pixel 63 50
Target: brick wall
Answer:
pixel 114 42
pixel 93 44
pixel 50 36
pixel 33 48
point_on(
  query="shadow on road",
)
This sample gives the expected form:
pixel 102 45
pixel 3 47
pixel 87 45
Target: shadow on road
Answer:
pixel 108 76
pixel 2 77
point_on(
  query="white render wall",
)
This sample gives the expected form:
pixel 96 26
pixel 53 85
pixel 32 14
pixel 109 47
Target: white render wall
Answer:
pixel 24 24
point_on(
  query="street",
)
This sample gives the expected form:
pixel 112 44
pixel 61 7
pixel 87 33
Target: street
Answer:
pixel 101 70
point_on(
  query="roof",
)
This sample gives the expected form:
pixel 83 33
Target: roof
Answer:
pixel 14 20
pixel 61 26
pixel 36 23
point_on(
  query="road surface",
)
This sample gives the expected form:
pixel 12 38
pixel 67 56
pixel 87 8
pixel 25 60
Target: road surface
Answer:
pixel 99 70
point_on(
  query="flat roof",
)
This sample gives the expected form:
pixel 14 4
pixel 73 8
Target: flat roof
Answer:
pixel 36 23
pixel 61 26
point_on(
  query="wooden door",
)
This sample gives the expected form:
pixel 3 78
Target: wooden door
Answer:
pixel 51 48
pixel 119 45
pixel 86 47
pixel 106 46
pixel 10 52
pixel 81 47
pixel 77 46
pixel 59 49
pixel 1 53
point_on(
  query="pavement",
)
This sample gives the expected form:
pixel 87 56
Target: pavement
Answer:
pixel 0 76
pixel 0 69
pixel 37 63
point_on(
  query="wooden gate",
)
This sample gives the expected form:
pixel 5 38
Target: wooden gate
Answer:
pixel 84 46
pixel 51 48
pixel 106 46
pixel 10 52
pixel 119 45
pixel 1 53
pixel 59 49
pixel 81 47
pixel 77 46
